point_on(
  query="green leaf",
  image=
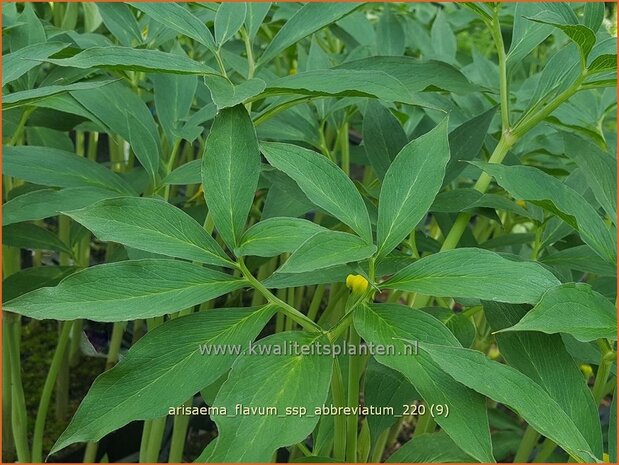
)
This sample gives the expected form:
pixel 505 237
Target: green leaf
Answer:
pixel 29 279
pixel 545 360
pixel 230 172
pixel 24 97
pixel 152 225
pixel 474 273
pixel 132 59
pixel 225 94
pixel 466 141
pixel 31 236
pixel 593 15
pixel 574 309
pixel 19 62
pixel 383 136
pixel 145 147
pixel 439 448
pixel 410 185
pixel 324 183
pixel 390 36
pixel 603 63
pixel 256 13
pixel 580 258
pixel 52 167
pixel 342 83
pixel 188 173
pixel 120 21
pixel 508 386
pixel 533 185
pixel 468 199
pixel 135 391
pixel 385 387
pixel 111 105
pixel 275 236
pixel 179 19
pixel 443 39
pixel 526 34
pixel 415 74
pixel 396 326
pixel 228 20
pixel 126 290
pixel 174 95
pixel 308 19
pixel 326 249
pixel 45 203
pixel 599 169
pixel 459 324
pixel 580 34
pixel 279 380
pixel 332 274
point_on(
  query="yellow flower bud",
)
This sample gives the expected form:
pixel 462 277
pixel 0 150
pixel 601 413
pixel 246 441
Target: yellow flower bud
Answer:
pixel 357 283
pixel 586 370
pixel 606 457
pixel 521 203
pixel 494 352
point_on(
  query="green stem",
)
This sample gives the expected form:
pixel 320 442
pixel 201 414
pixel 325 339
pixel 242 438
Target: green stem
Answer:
pixel 7 433
pixel 531 120
pixel 339 421
pixel 48 387
pixel 179 433
pixel 379 448
pixel 19 417
pixel 529 440
pixel 345 149
pixel 90 453
pixel 462 221
pixel 115 344
pixel 504 91
pixel 154 440
pixel 606 361
pixel 355 368
pixel 21 125
pixel 291 312
pixel 315 303
pixel 145 439
pixel 425 423
pixel 545 451
pixel 61 398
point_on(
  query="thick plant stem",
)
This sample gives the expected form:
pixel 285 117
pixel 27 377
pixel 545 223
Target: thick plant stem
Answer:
pixel 154 440
pixel 606 361
pixel 19 416
pixel 529 440
pixel 344 149
pixel 545 451
pixel 355 367
pixel 90 454
pixel 115 344
pixel 462 221
pixel 339 422
pixel 291 312
pixel 179 433
pixel 425 424
pixel 46 395
pixel 7 431
pixel 62 378
pixel 498 40
pixel 144 442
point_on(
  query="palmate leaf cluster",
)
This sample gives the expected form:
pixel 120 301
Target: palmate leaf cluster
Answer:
pixel 241 160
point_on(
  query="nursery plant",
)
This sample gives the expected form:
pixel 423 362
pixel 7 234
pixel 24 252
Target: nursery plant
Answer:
pixel 320 232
